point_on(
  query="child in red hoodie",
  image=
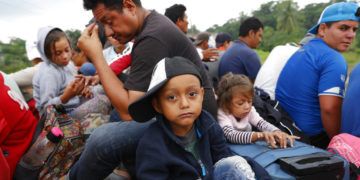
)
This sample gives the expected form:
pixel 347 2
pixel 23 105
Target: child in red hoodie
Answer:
pixel 17 126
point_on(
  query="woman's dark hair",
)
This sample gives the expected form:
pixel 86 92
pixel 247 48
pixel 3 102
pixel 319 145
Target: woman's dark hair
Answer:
pixel 175 12
pixel 111 4
pixel 229 85
pixel 252 23
pixel 52 37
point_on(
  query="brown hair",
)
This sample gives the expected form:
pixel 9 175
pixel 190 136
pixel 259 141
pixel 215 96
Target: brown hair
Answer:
pixel 229 85
pixel 52 37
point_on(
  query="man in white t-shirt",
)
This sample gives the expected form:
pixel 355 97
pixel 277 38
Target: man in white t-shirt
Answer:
pixel 269 72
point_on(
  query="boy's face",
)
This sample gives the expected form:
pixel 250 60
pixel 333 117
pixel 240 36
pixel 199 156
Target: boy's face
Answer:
pixel 61 53
pixel 180 101
pixel 339 35
pixel 240 105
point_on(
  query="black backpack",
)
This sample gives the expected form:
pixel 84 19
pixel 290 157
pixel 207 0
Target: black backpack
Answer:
pixel 273 113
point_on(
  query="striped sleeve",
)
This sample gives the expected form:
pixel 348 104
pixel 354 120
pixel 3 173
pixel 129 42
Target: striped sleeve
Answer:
pixel 237 137
pixel 263 125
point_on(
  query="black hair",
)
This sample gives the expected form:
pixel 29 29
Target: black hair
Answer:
pixel 175 12
pixel 101 31
pixel 248 24
pixel 111 4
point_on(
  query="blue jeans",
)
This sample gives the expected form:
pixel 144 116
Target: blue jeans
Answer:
pixel 107 147
pixel 234 167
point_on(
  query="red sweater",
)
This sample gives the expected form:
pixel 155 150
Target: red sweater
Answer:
pixel 17 126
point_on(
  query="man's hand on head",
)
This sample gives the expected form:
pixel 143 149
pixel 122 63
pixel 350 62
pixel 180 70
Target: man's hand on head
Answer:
pixel 90 44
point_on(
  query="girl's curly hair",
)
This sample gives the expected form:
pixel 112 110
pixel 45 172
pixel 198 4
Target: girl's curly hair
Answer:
pixel 229 85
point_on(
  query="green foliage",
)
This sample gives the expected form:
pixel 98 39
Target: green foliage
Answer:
pixel 231 26
pixel 73 35
pixel 193 30
pixel 352 58
pixel 283 21
pixel 310 14
pixel 262 54
pixel 13 56
pixel 265 14
pixel 287 18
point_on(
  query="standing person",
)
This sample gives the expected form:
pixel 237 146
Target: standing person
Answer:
pixel 240 58
pixel 176 13
pixel 191 143
pixel 155 37
pixel 237 116
pixel 311 85
pixel 350 119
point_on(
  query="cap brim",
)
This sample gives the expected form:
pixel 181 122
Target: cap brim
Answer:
pixel 142 110
pixel 197 42
pixel 314 29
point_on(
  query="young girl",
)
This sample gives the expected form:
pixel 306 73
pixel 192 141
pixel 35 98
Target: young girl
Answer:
pixel 54 83
pixel 237 116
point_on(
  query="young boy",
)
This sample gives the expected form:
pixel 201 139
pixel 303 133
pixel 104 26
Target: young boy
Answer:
pixel 185 142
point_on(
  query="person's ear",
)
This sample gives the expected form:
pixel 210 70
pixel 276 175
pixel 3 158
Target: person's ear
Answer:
pixel 178 21
pixel 130 5
pixel 252 33
pixel 322 29
pixel 156 105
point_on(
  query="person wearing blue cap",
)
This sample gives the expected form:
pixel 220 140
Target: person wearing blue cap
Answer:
pixel 311 85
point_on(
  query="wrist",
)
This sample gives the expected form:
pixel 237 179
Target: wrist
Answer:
pixel 259 135
pixel 64 98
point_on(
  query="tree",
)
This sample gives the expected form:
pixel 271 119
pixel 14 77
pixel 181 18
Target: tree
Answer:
pixel 311 13
pixel 193 31
pixel 286 16
pixel 266 14
pixel 73 35
pixel 13 56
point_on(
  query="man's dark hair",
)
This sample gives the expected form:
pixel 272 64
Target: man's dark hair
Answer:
pixel 111 4
pixel 248 24
pixel 175 12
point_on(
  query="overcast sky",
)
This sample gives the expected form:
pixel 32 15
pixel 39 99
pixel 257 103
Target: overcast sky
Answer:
pixel 22 18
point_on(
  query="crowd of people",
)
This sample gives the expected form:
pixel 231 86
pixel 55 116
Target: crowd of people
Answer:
pixel 175 101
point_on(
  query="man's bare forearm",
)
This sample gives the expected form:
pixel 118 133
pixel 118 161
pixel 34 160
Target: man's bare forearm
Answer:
pixel 114 88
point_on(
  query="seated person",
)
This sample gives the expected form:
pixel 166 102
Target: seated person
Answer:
pixel 350 116
pixel 269 72
pixel 237 116
pixel 24 77
pixel 55 83
pixel 17 126
pixel 202 46
pixel 185 142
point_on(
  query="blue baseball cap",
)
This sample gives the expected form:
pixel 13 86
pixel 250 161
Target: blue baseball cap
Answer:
pixel 341 11
pixel 87 69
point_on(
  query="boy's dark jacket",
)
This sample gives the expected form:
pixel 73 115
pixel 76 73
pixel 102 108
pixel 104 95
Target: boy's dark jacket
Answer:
pixel 160 156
